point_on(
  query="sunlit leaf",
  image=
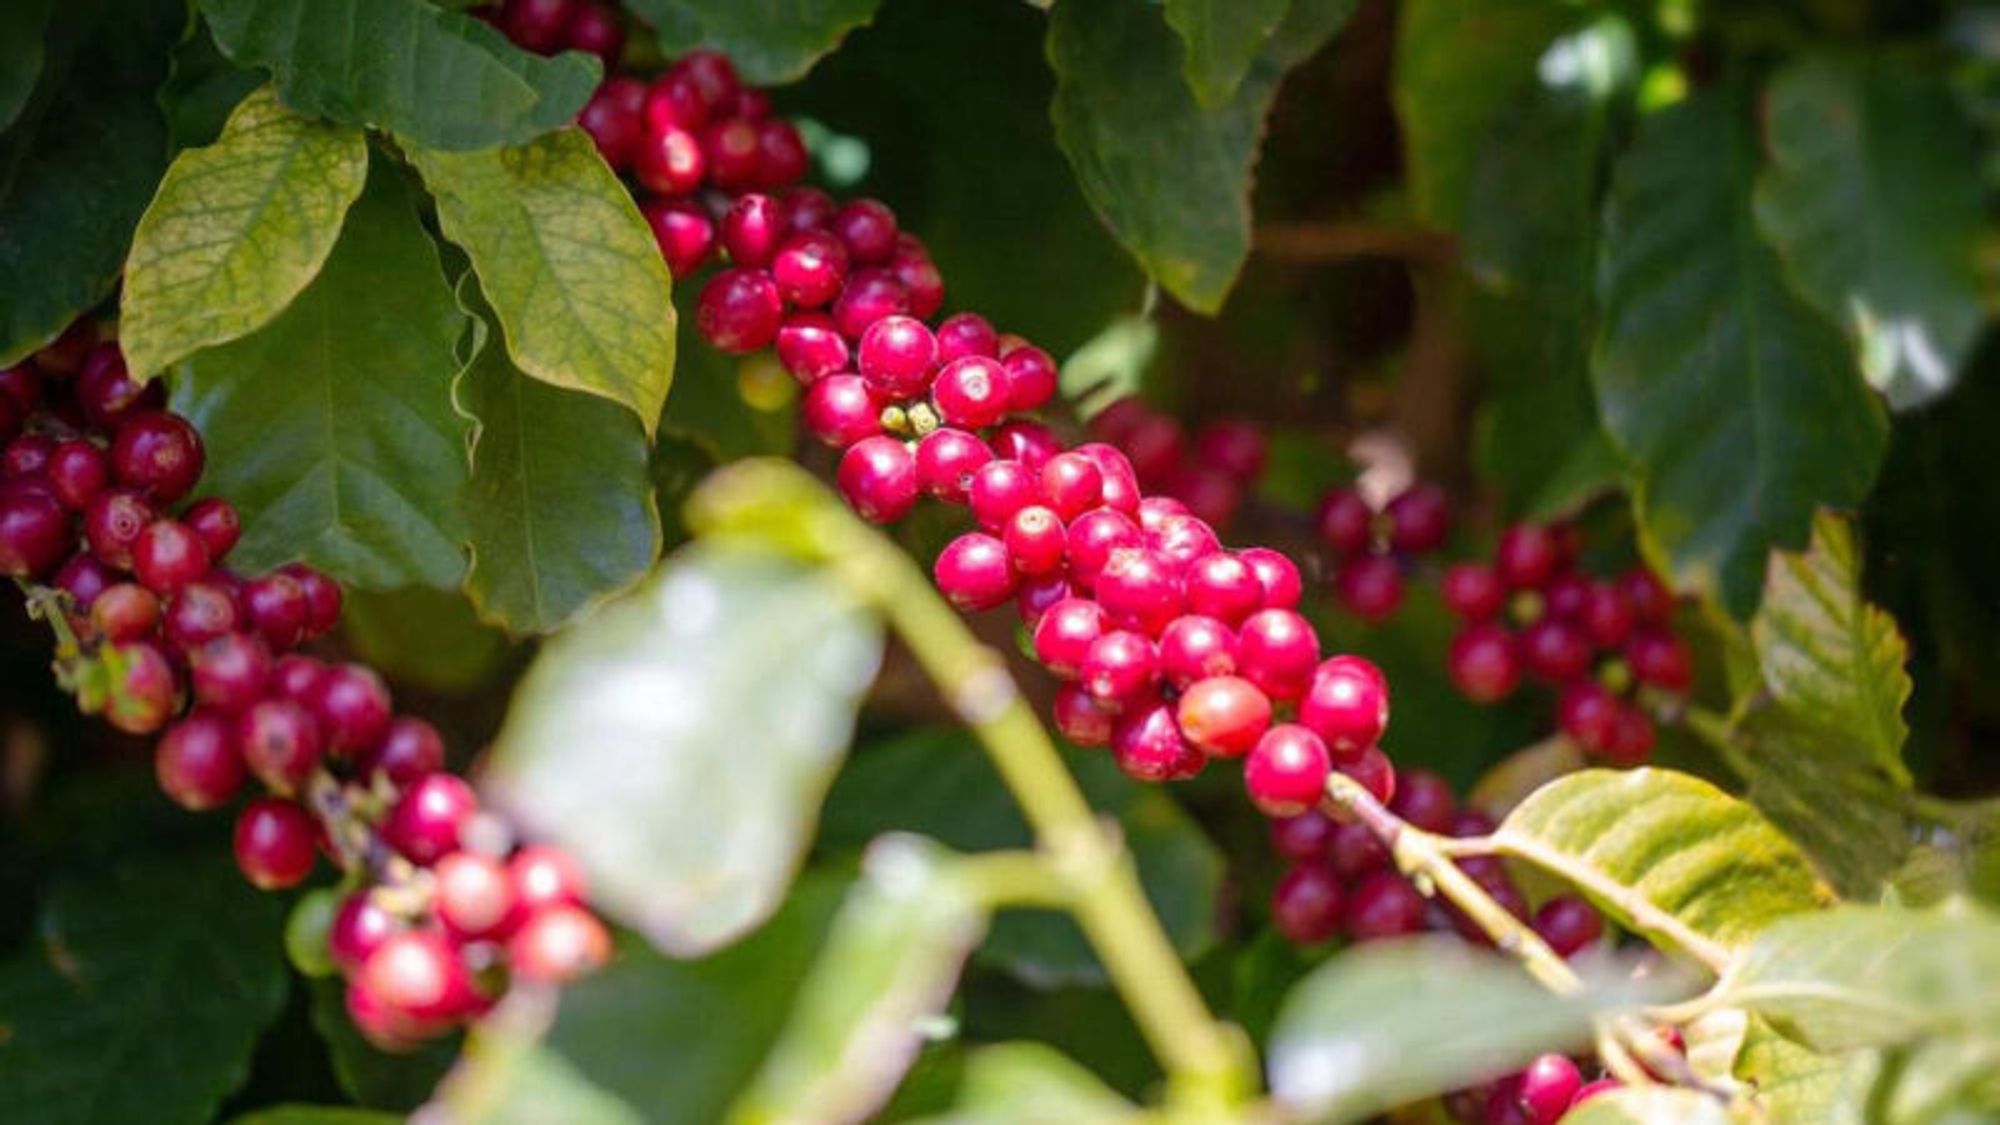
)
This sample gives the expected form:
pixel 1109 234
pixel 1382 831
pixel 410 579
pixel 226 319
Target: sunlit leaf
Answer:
pixel 566 262
pixel 1666 854
pixel 770 41
pixel 236 230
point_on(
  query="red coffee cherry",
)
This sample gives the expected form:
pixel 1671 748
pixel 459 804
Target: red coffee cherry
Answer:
pixel 275 843
pixel 1346 704
pixel 1286 771
pixel 1224 715
pixel 197 763
pixel 1306 904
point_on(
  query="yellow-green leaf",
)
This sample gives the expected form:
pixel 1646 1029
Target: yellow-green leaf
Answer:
pixel 1829 658
pixel 236 230
pixel 1650 1105
pixel 566 262
pixel 1670 856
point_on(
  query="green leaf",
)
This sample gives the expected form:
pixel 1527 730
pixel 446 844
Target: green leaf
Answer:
pixel 560 504
pixel 144 997
pixel 1170 178
pixel 1030 1083
pixel 682 836
pixel 1650 1105
pixel 888 968
pixel 202 89
pixel 80 163
pixel 770 41
pixel 441 79
pixel 21 26
pixel 1823 791
pixel 236 230
pixel 1797 1084
pixel 370 1076
pixel 315 1115
pixel 507 1077
pixel 1458 63
pixel 1873 201
pixel 679 1039
pixel 566 262
pixel 1392 1022
pixel 331 428
pixel 431 639
pixel 1831 659
pixel 1739 407
pixel 1110 365
pixel 1222 40
pixel 939 783
pixel 1014 238
pixel 1530 242
pixel 1870 976
pixel 1667 855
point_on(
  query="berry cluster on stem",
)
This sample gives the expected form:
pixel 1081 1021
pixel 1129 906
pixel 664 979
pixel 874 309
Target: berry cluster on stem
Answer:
pixel 161 636
pixel 1535 613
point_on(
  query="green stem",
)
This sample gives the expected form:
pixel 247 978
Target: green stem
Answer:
pixel 1208 1063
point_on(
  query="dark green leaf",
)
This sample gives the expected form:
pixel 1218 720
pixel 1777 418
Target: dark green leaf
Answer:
pixel 1392 1022
pixel 1831 659
pixel 1458 63
pixel 80 163
pixel 560 506
pixel 143 999
pixel 1013 238
pixel 236 230
pixel 770 41
pixel 1530 241
pixel 430 638
pixel 940 783
pixel 1668 855
pixel 315 1115
pixel 1869 976
pixel 202 89
pixel 1874 200
pixel 678 1039
pixel 441 79
pixel 1170 178
pixel 1222 39
pixel 1032 1084
pixel 331 428
pixel 22 24
pixel 566 262
pixel 1739 406
pixel 369 1076
pixel 626 741
pixel 888 967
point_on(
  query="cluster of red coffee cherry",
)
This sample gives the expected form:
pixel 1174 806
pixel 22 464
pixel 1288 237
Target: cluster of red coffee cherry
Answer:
pixel 1174 650
pixel 94 479
pixel 1534 612
pixel 1209 472
pixel 1372 549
